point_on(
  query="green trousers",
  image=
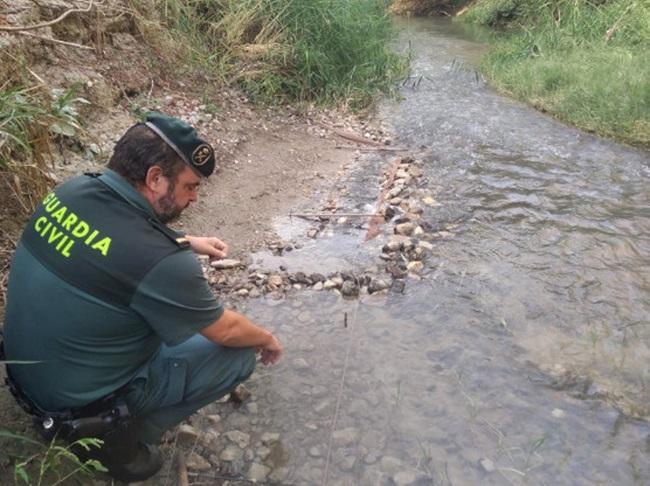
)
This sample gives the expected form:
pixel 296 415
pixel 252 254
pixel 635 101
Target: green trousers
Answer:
pixel 182 379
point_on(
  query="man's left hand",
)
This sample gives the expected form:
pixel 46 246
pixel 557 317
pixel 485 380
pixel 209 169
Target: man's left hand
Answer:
pixel 208 245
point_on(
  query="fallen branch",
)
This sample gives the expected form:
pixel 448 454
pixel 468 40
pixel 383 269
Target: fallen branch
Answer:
pixel 17 28
pixel 56 41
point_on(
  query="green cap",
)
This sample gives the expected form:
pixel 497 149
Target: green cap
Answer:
pixel 196 152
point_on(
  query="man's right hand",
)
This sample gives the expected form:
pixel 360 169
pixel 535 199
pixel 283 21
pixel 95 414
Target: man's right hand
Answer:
pixel 271 352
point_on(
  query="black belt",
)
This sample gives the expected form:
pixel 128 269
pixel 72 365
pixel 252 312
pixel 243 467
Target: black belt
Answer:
pixel 91 420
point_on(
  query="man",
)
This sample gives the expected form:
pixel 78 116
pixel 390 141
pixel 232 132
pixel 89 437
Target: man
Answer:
pixel 110 302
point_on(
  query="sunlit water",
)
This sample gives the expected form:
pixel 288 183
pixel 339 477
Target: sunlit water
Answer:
pixel 522 357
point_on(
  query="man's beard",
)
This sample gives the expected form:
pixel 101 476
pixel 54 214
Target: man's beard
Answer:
pixel 166 208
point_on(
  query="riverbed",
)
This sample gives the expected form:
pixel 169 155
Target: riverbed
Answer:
pixel 519 355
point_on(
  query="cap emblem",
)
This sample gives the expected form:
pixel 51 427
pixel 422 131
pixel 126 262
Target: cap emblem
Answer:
pixel 201 154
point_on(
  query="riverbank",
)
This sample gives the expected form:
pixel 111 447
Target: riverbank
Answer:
pixel 585 63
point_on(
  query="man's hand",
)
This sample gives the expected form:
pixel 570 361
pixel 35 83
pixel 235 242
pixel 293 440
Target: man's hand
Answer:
pixel 208 245
pixel 271 352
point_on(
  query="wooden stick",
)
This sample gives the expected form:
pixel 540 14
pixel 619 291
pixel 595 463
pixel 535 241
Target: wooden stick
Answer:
pixel 46 24
pixel 183 480
pixel 372 149
pixel 334 215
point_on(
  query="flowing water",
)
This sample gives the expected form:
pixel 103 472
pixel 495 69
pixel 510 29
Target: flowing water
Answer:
pixel 522 356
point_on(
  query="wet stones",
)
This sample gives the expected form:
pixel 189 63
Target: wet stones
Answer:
pixel 226 264
pixel 238 437
pixel 349 289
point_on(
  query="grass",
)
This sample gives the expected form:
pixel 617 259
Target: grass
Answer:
pixel 31 119
pixel 587 62
pixel 327 51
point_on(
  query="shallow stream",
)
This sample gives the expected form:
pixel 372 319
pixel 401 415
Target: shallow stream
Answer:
pixel 522 356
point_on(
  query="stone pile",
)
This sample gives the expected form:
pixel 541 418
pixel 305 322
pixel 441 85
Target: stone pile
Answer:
pixel 402 257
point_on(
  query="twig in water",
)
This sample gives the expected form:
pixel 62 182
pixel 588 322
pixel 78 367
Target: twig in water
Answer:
pixel 334 215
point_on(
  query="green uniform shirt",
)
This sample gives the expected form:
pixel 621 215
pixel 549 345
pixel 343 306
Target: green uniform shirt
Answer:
pixel 88 347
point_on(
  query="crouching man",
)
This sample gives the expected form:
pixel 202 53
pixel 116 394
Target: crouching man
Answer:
pixel 112 305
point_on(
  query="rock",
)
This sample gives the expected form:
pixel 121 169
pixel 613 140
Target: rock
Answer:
pixel 408 478
pixel 487 465
pixel 377 285
pixel 425 245
pixel 418 231
pixel 279 474
pixel 558 413
pixel 270 437
pixel 329 285
pixel 345 437
pixel 429 201
pixel 415 171
pixel 349 289
pixel 214 419
pixel 254 293
pixel 275 281
pixel 318 286
pixel 394 192
pixel 242 293
pixel 317 277
pixel 196 462
pixel 405 229
pixel 253 408
pixel 231 453
pixel 401 174
pixel 312 233
pixel 396 201
pixel 300 364
pixel 258 472
pixel 240 394
pixel 315 452
pixel 396 271
pixel 209 438
pixel 338 280
pixel 347 463
pixel 187 435
pixel 415 267
pixel 225 264
pixel 238 437
pixel 398 286
pixel 372 457
pixel 311 426
pixel 391 246
pixel 249 455
pixel 263 453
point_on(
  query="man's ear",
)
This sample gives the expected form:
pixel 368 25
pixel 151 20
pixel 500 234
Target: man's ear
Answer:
pixel 154 179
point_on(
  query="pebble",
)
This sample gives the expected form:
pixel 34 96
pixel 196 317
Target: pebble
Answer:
pixel 405 229
pixel 197 462
pixel 270 437
pixel 349 289
pixel 274 281
pixel 396 201
pixel 415 267
pixel 318 286
pixel 231 453
pixel 214 419
pixel 329 285
pixel 425 245
pixel 187 435
pixel 225 264
pixel 315 452
pixel 345 436
pixel 238 437
pixel 253 408
pixel 263 453
pixel 258 472
pixel 408 478
pixel 418 231
pixel 372 457
pixel 558 413
pixel 377 285
pixel 487 465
